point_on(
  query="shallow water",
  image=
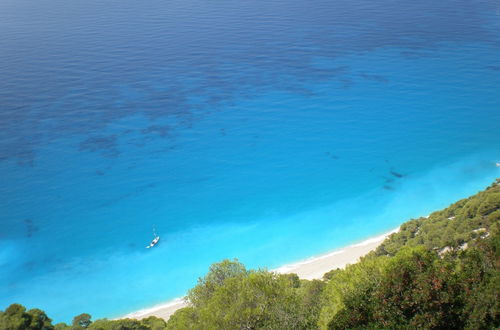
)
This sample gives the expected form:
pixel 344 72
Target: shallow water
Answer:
pixel 269 131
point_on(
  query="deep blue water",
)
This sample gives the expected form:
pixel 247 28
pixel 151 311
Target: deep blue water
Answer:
pixel 267 130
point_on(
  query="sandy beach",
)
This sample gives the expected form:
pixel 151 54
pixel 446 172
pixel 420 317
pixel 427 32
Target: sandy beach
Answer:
pixel 312 268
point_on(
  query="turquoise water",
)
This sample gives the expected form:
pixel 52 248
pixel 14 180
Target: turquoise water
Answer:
pixel 266 131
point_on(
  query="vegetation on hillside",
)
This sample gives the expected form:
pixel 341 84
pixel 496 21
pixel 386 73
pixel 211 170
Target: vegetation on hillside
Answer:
pixel 15 317
pixel 439 272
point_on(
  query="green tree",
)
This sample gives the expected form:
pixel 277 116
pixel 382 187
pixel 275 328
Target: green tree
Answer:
pixel 39 320
pixel 81 321
pixel 260 300
pixel 154 323
pixel 310 296
pixel 215 278
pixel 481 284
pixel 15 318
pixel 416 289
pixel 184 319
pixel 230 297
pixel 150 323
pixel 353 281
pixel 419 290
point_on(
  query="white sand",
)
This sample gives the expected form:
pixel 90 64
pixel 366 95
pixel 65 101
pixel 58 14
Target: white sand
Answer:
pixel 316 267
pixel 312 268
pixel 162 310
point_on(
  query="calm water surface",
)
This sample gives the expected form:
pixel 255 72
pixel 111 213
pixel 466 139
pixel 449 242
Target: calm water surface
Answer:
pixel 264 130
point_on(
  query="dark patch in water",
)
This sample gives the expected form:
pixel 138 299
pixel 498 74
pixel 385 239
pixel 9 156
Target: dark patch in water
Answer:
pixel 160 130
pixel 99 172
pixel 409 54
pixel 106 145
pixel 386 187
pixel 396 174
pixel 388 180
pixel 30 227
pixel 29 266
pixel 157 74
pixel 374 77
pixel 493 67
pixel 346 83
pixel 25 157
pixel 332 156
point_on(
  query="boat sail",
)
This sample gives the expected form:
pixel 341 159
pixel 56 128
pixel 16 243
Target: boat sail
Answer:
pixel 155 240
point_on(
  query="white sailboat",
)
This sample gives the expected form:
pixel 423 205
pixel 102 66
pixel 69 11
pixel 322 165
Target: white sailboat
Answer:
pixel 155 240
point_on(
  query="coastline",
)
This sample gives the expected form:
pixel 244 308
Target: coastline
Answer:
pixel 316 266
pixel 164 310
pixel 308 269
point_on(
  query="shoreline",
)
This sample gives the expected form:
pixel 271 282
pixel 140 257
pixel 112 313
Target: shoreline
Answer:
pixel 311 268
pixel 316 266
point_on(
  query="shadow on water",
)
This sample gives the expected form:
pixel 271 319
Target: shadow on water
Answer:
pixel 107 146
pixel 396 174
pixel 374 77
pixel 31 228
pixel 331 155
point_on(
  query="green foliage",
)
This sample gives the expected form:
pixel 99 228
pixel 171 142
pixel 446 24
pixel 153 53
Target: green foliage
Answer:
pixel 230 297
pixel 183 319
pixel 311 293
pixel 462 222
pixel 416 289
pixel 123 324
pixel 39 320
pixel 81 321
pixel 150 323
pixel 420 286
pixel 215 278
pixel 416 284
pixel 15 317
pixel 478 270
pixel 355 279
pixel 154 323
pixel 257 300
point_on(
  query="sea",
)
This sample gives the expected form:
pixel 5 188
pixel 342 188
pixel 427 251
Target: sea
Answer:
pixel 264 130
